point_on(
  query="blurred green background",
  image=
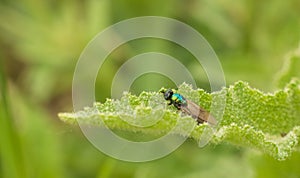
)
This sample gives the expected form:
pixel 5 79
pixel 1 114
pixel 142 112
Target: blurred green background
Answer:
pixel 42 40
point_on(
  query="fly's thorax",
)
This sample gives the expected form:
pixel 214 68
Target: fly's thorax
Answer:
pixel 178 99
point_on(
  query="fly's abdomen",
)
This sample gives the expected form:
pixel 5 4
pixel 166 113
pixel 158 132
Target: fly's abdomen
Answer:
pixel 198 113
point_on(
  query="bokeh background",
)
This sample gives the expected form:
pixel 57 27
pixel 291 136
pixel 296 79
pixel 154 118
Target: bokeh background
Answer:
pixel 42 40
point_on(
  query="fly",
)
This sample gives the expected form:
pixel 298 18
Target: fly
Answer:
pixel 187 106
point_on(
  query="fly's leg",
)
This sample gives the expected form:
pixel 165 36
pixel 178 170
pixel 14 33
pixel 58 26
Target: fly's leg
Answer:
pixel 178 106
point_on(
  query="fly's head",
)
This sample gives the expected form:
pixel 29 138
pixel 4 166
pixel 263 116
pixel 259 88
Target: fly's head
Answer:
pixel 167 93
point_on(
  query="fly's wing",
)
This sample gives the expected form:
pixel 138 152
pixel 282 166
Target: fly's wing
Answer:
pixel 198 113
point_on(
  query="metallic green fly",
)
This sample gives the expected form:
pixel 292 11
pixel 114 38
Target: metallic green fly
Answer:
pixel 187 106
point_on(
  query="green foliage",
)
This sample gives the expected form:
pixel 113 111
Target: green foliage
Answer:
pixel 48 36
pixel 267 122
pixel 25 146
pixel 42 40
pixel 290 68
pixel 267 167
pixel 9 147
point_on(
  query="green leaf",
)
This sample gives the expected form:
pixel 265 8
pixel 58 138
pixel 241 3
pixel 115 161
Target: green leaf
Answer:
pixel 290 68
pixel 264 121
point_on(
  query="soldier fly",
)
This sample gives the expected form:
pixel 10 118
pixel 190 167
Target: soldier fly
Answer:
pixel 187 106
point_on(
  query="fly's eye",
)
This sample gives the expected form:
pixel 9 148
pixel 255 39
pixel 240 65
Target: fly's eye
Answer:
pixel 168 94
